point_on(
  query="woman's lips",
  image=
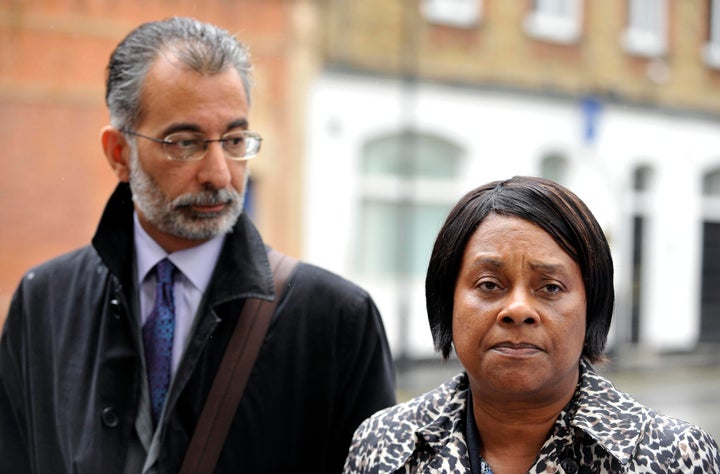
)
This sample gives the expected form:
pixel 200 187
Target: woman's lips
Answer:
pixel 517 349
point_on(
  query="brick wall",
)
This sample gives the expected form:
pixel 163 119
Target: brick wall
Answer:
pixel 373 35
pixel 55 179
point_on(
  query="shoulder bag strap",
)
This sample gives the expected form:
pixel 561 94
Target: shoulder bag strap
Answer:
pixel 229 383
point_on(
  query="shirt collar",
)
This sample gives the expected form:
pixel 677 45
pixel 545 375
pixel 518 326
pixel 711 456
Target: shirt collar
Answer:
pixel 191 262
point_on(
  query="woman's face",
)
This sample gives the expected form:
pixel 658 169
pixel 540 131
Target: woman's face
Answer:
pixel 519 313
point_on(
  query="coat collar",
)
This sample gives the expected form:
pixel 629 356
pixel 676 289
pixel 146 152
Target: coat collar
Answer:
pixel 440 425
pixel 598 409
pixel 439 429
pixel 603 412
pixel 242 269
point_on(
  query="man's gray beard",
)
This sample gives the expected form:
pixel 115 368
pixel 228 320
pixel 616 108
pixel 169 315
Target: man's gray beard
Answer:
pixel 176 216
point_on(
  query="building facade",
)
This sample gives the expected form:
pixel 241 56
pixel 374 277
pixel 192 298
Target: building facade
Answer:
pixel 419 102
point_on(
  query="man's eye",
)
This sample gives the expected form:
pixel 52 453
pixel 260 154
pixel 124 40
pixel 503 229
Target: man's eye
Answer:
pixel 186 143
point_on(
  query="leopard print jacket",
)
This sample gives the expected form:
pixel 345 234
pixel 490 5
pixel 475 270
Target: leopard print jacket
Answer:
pixel 601 431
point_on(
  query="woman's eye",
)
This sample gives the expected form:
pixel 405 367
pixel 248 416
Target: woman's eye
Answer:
pixel 488 285
pixel 553 288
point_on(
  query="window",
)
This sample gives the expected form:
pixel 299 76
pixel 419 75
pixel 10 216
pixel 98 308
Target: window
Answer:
pixel 554 166
pixel 409 155
pixel 396 237
pixel 643 178
pixel 555 20
pixel 643 182
pixel 408 187
pixel 461 13
pixel 711 194
pixel 646 33
pixel 711 183
pixel 710 273
pixel 711 50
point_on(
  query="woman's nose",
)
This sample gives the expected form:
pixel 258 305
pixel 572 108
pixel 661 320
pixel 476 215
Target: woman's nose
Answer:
pixel 518 308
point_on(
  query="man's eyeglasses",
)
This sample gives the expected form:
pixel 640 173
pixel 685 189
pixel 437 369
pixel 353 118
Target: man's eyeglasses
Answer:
pixel 239 145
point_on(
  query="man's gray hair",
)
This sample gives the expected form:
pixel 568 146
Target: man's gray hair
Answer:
pixel 202 47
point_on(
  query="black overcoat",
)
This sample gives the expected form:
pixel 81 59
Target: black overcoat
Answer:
pixel 71 369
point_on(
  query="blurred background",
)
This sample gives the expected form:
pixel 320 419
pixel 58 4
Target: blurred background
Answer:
pixel 377 115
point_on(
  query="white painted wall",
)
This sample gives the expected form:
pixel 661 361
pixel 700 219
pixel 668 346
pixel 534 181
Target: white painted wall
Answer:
pixel 505 134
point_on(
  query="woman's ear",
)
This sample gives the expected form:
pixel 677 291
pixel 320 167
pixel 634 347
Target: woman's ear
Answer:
pixel 117 151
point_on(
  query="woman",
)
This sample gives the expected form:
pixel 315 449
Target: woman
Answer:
pixel 520 284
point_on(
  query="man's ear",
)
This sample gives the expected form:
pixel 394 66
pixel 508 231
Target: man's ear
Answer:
pixel 117 152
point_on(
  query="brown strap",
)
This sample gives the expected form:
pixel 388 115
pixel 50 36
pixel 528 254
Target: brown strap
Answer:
pixel 231 378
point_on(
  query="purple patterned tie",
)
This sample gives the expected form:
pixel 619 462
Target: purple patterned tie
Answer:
pixel 158 337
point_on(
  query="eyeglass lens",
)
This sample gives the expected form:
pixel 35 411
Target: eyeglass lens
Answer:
pixel 192 146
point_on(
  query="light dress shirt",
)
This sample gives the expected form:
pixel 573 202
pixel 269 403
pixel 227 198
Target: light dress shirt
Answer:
pixel 194 270
pixel 191 280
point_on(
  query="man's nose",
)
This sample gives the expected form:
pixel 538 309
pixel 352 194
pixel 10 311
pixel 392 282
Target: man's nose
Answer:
pixel 214 167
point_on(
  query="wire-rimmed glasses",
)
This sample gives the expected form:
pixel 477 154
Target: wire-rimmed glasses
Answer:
pixel 239 145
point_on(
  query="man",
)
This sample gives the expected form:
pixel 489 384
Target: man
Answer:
pixel 78 362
